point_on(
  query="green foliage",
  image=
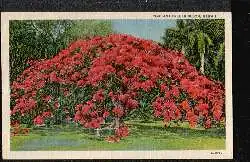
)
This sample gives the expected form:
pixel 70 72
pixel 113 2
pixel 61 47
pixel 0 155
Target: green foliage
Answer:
pixel 32 40
pixel 145 110
pixel 88 28
pixel 202 42
pixel 40 39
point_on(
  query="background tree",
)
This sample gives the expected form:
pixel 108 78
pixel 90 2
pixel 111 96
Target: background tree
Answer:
pixel 88 28
pixel 39 39
pixel 202 43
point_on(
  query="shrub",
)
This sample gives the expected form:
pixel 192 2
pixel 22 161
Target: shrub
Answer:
pixel 107 78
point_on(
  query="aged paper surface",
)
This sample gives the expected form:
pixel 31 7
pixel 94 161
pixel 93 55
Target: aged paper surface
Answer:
pixel 226 153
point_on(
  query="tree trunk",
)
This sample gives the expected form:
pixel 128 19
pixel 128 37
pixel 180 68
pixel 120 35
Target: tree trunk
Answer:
pixel 98 132
pixel 117 122
pixel 183 50
pixel 202 69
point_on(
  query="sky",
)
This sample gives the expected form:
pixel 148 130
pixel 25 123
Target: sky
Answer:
pixel 147 29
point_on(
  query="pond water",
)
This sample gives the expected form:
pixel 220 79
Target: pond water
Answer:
pixel 147 29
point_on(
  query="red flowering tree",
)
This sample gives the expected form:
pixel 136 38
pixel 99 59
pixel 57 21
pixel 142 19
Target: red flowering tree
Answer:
pixel 106 78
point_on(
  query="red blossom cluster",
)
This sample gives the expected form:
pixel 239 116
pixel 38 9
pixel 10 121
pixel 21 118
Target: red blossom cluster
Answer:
pixel 88 116
pixel 39 120
pixel 120 132
pixel 129 64
pixel 16 128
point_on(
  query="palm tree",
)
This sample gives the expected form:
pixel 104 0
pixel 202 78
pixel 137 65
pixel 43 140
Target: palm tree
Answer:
pixel 198 36
pixel 176 38
pixel 195 38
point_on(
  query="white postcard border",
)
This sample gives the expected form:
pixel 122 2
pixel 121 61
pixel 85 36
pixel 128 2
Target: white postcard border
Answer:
pixel 168 154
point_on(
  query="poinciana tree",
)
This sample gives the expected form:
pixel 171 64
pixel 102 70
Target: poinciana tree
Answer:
pixel 104 79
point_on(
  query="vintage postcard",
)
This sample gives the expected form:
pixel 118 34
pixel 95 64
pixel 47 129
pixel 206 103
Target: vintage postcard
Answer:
pixel 117 85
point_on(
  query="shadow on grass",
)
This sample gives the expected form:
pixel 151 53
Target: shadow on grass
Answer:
pixel 139 129
pixel 89 134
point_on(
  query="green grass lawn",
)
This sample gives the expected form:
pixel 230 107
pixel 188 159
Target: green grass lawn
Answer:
pixel 143 136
